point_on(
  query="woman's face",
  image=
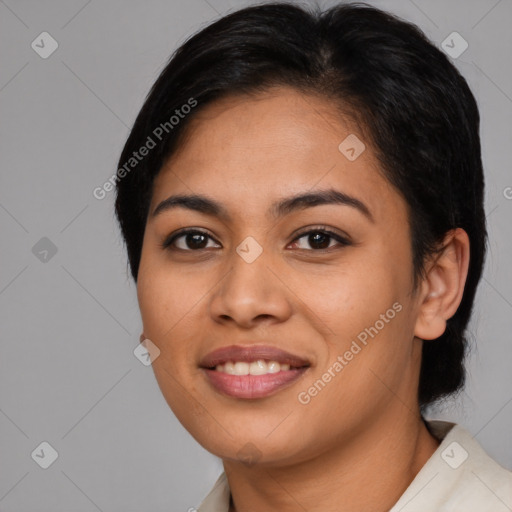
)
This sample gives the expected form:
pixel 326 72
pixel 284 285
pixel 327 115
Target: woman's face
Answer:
pixel 260 279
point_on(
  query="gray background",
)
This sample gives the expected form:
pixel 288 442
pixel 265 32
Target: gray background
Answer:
pixel 70 324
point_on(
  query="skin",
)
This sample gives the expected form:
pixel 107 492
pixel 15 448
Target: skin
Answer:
pixel 247 152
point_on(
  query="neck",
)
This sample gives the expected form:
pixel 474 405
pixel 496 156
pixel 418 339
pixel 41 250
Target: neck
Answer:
pixel 370 472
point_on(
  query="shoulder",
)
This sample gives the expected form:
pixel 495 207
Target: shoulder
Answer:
pixel 217 499
pixel 460 475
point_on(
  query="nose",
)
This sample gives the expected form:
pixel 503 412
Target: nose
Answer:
pixel 252 292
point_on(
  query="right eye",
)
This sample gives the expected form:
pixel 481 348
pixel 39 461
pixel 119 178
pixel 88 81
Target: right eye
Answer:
pixel 193 240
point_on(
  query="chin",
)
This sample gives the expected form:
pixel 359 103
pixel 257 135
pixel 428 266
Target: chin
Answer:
pixel 250 444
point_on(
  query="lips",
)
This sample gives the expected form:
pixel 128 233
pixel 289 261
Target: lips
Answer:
pixel 250 354
pixel 290 368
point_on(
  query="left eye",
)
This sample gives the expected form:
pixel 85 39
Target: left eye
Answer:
pixel 320 239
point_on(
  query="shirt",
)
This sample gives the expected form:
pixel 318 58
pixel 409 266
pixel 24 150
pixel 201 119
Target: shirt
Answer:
pixel 458 477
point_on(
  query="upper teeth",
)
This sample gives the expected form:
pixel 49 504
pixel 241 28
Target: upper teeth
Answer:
pixel 259 367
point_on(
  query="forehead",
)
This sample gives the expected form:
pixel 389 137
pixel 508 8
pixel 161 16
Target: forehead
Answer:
pixel 251 150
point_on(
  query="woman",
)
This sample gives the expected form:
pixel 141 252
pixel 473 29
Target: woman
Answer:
pixel 301 198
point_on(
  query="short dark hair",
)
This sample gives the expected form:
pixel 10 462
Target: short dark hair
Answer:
pixel 411 102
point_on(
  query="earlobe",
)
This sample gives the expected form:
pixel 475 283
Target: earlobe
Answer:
pixel 443 286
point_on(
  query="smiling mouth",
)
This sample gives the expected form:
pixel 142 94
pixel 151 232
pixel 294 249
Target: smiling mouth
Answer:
pixel 251 371
pixel 254 379
pixel 258 367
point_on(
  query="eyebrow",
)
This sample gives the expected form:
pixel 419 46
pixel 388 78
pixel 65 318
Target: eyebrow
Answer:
pixel 208 206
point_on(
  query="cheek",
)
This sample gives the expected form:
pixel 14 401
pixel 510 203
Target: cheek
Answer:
pixel 167 312
pixel 352 295
pixel 165 297
pixel 364 304
pixel 172 303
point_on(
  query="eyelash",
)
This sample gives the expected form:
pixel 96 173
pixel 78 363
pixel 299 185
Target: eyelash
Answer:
pixel 167 244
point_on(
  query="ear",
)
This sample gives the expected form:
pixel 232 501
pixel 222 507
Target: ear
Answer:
pixel 443 285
